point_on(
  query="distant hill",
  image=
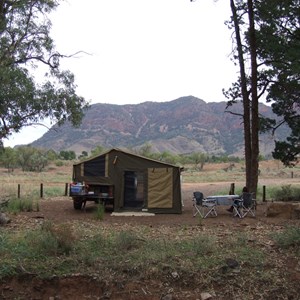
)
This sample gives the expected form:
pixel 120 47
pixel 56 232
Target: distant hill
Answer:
pixel 184 125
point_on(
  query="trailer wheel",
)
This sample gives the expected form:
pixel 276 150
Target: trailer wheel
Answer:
pixel 77 203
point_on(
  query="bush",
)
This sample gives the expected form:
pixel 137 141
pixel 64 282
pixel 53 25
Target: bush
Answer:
pixel 287 193
pixel 290 237
pixel 62 235
pixel 59 163
pixel 126 241
pixel 17 205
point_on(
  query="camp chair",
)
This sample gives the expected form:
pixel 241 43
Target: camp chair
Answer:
pixel 202 206
pixel 248 204
pixel 237 207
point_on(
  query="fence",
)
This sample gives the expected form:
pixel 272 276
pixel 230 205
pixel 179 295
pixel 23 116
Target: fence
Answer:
pixel 232 189
pixel 42 190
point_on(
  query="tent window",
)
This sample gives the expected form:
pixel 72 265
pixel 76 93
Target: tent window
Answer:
pixel 95 167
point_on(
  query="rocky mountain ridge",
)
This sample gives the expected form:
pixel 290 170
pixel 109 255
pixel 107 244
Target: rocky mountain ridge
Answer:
pixel 184 125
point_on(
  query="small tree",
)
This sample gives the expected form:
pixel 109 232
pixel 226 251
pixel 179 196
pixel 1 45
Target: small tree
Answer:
pixel 8 158
pixel 31 159
pixel 51 155
pixel 67 155
pixel 83 155
pixel 198 159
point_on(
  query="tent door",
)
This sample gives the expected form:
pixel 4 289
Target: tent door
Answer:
pixel 133 189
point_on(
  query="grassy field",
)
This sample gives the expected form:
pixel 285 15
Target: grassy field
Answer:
pixel 54 179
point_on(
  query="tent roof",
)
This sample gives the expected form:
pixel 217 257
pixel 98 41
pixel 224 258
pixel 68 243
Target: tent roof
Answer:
pixel 129 153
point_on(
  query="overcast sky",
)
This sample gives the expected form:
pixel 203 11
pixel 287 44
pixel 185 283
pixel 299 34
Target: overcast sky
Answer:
pixel 143 50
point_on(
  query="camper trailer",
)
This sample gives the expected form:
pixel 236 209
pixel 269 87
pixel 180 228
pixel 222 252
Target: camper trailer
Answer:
pixel 127 182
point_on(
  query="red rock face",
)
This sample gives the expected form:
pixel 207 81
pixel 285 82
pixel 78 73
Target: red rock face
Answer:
pixel 184 125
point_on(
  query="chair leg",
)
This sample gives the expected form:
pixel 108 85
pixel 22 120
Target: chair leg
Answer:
pixel 248 210
pixel 196 211
pixel 211 211
pixel 237 212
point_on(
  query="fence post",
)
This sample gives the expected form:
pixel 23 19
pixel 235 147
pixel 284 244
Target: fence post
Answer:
pixel 231 191
pixel 66 189
pixel 42 190
pixel 19 191
pixel 264 193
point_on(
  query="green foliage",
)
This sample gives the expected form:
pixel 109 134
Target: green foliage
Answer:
pixel 51 155
pixel 126 240
pixel 97 151
pixel 25 44
pixel 31 159
pixel 83 155
pixel 203 245
pixel 198 159
pixel 100 211
pixel 61 239
pixel 53 249
pixel 278 47
pixel 145 150
pixel 67 155
pixel 289 237
pixel 287 151
pixel 27 157
pixel 287 193
pixel 8 158
pixel 59 163
pixel 26 204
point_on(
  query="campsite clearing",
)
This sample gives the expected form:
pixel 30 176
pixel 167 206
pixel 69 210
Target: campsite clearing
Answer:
pixel 260 269
pixel 169 282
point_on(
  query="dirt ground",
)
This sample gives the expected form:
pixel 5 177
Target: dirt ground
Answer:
pixel 60 210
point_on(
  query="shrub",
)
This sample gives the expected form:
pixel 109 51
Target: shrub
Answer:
pixel 17 205
pixel 51 240
pixel 126 241
pixel 59 163
pixel 99 213
pixel 287 193
pixel 290 237
pixel 204 245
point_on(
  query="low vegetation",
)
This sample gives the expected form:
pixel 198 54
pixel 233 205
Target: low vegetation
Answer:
pixel 15 205
pixel 184 256
pixel 252 260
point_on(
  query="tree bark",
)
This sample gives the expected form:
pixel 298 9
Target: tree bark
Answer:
pixel 254 101
pixel 245 96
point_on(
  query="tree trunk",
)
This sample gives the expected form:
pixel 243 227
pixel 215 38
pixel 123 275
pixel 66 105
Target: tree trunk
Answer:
pixel 250 105
pixel 254 101
pixel 245 96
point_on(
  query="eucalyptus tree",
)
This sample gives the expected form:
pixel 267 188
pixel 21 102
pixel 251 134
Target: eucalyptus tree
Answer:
pixel 266 50
pixel 246 88
pixel 25 44
pixel 267 38
pixel 278 40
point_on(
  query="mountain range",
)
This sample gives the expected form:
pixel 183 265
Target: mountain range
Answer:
pixel 185 125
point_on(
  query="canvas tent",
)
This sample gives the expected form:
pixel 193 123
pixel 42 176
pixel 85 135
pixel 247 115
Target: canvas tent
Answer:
pixel 134 182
